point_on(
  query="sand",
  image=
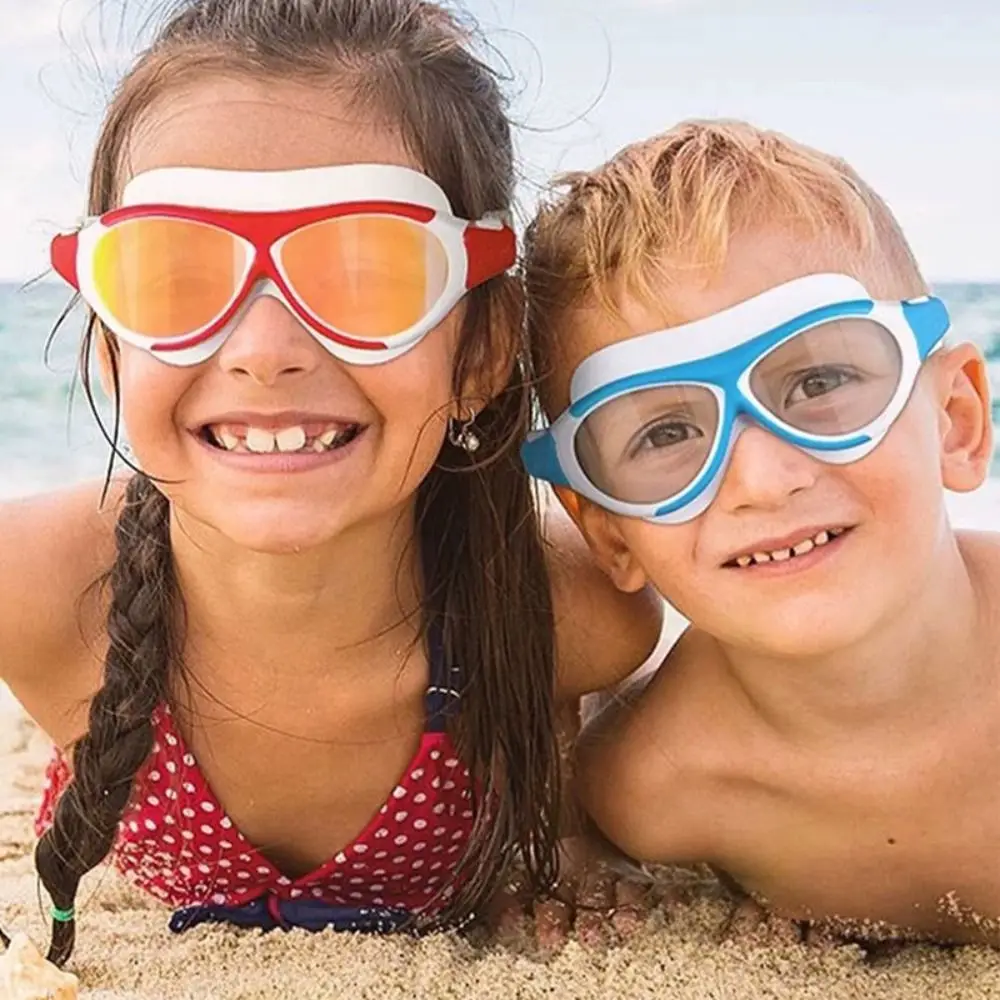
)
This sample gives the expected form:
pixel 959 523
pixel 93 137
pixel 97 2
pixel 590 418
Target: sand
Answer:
pixel 126 951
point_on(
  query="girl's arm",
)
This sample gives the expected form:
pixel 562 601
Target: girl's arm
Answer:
pixel 53 550
pixel 602 634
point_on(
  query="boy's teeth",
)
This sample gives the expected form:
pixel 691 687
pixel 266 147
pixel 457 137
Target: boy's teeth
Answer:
pixel 290 439
pixel 781 555
pixel 327 437
pixel 259 441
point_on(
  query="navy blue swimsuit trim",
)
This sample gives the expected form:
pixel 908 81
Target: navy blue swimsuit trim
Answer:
pixel 270 912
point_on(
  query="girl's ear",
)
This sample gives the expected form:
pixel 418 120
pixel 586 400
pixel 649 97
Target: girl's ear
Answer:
pixel 107 359
pixel 490 368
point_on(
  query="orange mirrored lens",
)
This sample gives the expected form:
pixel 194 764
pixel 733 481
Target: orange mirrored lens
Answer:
pixel 367 276
pixel 164 278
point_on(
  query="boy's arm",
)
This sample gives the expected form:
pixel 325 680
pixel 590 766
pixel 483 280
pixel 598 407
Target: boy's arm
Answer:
pixel 636 787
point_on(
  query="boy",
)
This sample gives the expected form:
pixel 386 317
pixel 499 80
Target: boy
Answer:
pixel 764 421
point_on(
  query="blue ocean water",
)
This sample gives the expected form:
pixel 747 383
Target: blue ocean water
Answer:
pixel 50 437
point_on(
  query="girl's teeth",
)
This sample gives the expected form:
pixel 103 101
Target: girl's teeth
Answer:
pixel 744 561
pixel 781 555
pixel 803 547
pixel 259 441
pixel 289 439
pixel 227 440
pixel 761 557
pixel 822 538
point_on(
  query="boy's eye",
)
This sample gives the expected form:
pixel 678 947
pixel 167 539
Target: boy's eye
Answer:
pixel 665 434
pixel 818 382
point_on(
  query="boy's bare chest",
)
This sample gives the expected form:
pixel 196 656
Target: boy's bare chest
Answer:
pixel 916 849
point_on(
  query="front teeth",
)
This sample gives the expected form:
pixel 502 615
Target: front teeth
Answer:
pixel 782 555
pixel 259 441
pixel 287 441
pixel 290 439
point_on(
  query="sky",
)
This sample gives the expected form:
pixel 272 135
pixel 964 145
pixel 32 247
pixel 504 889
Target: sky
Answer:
pixel 908 91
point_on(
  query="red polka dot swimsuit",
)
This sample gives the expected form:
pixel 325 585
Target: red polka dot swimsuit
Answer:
pixel 176 841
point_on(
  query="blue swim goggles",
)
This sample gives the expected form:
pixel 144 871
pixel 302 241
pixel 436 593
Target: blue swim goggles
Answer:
pixel 653 419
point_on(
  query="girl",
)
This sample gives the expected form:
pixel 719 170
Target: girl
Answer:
pixel 318 689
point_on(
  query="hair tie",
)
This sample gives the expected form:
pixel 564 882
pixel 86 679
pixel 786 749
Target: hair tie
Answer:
pixel 63 916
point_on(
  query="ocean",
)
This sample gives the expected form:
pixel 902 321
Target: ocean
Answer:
pixel 51 439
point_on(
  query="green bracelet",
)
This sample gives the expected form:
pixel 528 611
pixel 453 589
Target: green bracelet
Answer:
pixel 63 916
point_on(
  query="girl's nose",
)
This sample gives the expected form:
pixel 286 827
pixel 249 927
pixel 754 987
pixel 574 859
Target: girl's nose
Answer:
pixel 269 343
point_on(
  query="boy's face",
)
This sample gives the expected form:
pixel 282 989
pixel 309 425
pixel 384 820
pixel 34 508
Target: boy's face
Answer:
pixel 877 525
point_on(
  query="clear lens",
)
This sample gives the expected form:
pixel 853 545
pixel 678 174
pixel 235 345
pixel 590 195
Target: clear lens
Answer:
pixel 832 379
pixel 649 445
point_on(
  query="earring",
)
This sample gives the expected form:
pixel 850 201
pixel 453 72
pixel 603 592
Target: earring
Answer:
pixel 461 435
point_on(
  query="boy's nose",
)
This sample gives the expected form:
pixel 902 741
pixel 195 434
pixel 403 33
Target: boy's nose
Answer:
pixel 268 343
pixel 764 471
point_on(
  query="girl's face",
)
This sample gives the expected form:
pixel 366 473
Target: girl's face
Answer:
pixel 270 373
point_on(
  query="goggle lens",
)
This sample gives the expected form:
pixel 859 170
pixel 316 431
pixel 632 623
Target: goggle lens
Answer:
pixel 366 276
pixel 166 278
pixel 832 379
pixel 650 445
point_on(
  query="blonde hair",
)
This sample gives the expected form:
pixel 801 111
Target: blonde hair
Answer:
pixel 670 204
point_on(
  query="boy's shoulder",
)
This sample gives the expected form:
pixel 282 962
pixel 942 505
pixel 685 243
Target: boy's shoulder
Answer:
pixel 981 552
pixel 981 549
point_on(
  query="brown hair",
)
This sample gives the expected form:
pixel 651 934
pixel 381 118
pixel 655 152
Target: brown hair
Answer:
pixel 669 205
pixel 485 577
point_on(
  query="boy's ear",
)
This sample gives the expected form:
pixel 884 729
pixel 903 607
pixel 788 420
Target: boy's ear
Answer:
pixel 965 416
pixel 611 552
pixel 570 501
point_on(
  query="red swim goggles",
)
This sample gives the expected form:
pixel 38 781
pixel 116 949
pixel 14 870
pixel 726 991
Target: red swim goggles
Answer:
pixel 368 256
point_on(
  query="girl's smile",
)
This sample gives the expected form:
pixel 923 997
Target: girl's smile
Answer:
pixel 223 435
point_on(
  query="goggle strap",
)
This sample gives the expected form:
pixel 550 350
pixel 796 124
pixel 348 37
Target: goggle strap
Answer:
pixel 63 255
pixel 540 458
pixel 928 318
pixel 490 250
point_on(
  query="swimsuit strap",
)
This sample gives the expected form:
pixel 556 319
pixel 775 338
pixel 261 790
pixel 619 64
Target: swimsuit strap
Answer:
pixel 443 693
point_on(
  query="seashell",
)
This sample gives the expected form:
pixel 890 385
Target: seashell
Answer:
pixel 25 975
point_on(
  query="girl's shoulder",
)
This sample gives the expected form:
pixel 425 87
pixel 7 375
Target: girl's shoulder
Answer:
pixel 54 548
pixel 602 634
